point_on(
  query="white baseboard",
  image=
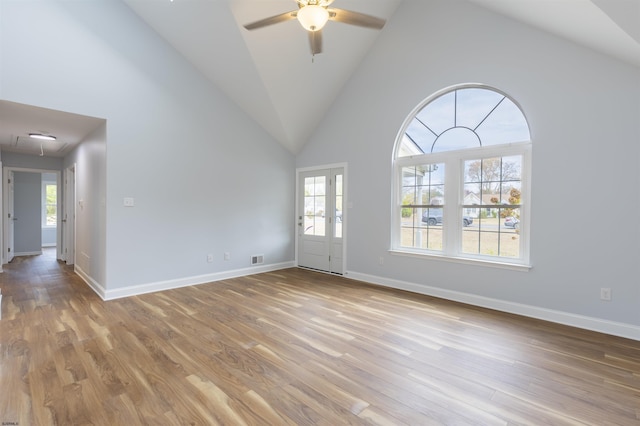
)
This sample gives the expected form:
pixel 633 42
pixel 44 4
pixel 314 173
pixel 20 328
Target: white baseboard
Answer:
pixel 187 281
pixel 95 286
pixel 588 323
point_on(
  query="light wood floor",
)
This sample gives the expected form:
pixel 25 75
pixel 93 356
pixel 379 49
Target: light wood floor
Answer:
pixel 294 348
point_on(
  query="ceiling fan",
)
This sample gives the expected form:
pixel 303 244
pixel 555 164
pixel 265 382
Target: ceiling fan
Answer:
pixel 314 14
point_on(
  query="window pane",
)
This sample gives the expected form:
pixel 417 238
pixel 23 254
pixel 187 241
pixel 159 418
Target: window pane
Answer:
pixel 337 226
pixel 423 188
pixel 319 185
pixel 432 216
pixel 472 194
pixel 52 193
pixel 489 243
pixel 495 234
pixel 475 105
pixel 512 168
pixel 423 185
pixel 417 233
pixel 471 239
pixel 51 207
pixel 314 205
pixel 409 197
pixel 493 181
pixel 309 188
pixel 464 118
pixel 456 138
pixel 416 141
pixel 512 193
pixel 439 114
pixel 504 125
pixel 52 215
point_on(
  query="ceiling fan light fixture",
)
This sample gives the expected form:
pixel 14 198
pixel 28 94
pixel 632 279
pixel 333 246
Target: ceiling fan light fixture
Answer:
pixel 42 136
pixel 313 17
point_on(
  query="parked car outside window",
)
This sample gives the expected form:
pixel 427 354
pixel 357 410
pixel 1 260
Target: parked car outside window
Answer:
pixel 434 217
pixel 512 222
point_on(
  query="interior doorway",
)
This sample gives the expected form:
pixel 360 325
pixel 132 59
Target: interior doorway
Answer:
pixel 31 203
pixel 321 219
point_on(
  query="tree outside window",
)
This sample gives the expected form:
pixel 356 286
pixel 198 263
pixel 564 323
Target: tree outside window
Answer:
pixel 50 214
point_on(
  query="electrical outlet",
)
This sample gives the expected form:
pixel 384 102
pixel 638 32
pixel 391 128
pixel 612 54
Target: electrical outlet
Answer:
pixel 227 255
pixel 209 258
pixel 605 293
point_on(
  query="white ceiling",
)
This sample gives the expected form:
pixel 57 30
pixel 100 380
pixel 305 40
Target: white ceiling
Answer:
pixel 18 120
pixel 270 73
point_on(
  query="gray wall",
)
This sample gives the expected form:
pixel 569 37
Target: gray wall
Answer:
pixel 89 160
pixel 583 109
pixel 27 190
pixel 204 176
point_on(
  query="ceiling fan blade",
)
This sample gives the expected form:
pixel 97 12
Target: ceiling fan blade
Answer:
pixel 287 16
pixel 356 18
pixel 315 41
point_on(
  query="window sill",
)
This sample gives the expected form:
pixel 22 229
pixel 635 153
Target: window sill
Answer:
pixel 464 260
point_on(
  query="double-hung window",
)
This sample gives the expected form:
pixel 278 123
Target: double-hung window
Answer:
pixel 461 178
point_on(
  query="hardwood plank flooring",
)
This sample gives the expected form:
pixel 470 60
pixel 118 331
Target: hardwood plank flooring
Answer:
pixel 294 347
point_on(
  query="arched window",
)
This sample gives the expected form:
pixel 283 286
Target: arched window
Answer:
pixel 461 167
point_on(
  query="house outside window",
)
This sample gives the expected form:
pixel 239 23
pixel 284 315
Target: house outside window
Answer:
pixel 462 166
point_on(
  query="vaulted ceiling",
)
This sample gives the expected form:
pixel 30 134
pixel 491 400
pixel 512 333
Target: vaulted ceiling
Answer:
pixel 271 74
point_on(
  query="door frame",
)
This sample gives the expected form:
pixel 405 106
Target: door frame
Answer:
pixel 5 194
pixel 68 220
pixel 345 208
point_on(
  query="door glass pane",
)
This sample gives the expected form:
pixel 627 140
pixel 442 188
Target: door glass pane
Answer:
pixel 337 233
pixel 314 205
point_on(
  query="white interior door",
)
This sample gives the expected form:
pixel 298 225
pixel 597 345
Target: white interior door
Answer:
pixel 69 216
pixel 321 219
pixel 9 219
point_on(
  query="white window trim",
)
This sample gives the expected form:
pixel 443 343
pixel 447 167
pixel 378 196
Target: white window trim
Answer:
pixel 463 260
pixel 452 213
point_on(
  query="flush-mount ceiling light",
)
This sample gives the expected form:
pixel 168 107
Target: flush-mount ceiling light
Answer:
pixel 42 136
